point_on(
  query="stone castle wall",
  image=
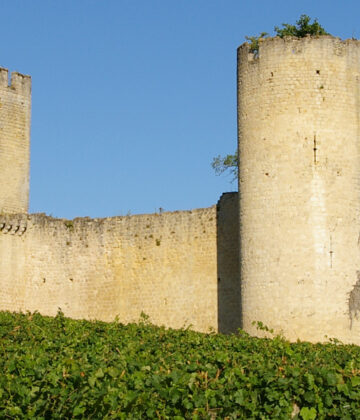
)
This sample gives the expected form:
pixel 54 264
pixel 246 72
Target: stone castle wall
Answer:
pixel 167 265
pixel 296 266
pixel 15 105
pixel 299 183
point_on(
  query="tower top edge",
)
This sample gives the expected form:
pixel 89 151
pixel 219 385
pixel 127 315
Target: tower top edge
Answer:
pixel 308 45
pixel 19 83
pixel 307 39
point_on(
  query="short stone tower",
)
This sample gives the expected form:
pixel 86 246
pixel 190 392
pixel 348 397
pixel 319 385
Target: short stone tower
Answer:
pixel 15 109
pixel 299 183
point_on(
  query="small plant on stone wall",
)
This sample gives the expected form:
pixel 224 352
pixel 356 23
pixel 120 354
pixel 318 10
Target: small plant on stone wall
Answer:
pixel 262 327
pixel 144 319
pixel 69 224
pixel 254 42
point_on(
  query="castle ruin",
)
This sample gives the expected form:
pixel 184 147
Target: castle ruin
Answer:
pixel 284 251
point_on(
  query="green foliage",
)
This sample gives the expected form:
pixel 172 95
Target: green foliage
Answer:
pixel 69 224
pixel 58 368
pixel 308 413
pixel 228 163
pixel 254 42
pixel 302 28
pixel 260 326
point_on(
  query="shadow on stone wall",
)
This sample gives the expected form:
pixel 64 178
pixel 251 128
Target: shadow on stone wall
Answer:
pixel 229 292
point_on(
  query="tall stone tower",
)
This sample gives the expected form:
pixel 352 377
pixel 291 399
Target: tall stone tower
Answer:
pixel 299 183
pixel 15 108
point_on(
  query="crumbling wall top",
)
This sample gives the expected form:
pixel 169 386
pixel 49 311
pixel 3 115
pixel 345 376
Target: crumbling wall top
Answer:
pixel 294 44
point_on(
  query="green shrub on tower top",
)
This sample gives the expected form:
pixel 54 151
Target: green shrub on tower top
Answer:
pixel 302 28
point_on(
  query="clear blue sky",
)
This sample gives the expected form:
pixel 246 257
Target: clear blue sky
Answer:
pixel 133 98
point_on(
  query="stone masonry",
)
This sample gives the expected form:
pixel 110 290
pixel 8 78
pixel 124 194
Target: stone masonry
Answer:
pixel 284 251
pixel 299 183
pixel 165 265
pixel 15 104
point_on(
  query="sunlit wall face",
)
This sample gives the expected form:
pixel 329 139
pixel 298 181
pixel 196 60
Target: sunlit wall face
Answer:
pixel 299 186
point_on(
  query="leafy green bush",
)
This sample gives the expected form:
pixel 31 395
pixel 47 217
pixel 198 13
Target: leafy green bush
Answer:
pixel 57 368
pixel 301 29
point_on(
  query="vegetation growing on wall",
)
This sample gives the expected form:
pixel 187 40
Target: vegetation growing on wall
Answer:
pixel 302 28
pixel 56 368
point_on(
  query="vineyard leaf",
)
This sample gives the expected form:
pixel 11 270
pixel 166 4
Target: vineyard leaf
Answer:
pixel 308 413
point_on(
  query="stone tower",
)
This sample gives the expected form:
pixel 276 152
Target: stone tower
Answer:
pixel 299 183
pixel 15 108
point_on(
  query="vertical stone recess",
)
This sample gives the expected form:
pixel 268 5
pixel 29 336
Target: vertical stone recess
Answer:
pixel 299 148
pixel 15 111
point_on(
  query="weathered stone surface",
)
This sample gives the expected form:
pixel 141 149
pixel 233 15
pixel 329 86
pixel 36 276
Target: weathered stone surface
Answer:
pixel 15 108
pixel 299 182
pixel 165 265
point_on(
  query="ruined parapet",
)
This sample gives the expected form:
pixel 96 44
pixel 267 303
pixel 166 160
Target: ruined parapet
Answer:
pixel 299 182
pixel 162 264
pixel 15 109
